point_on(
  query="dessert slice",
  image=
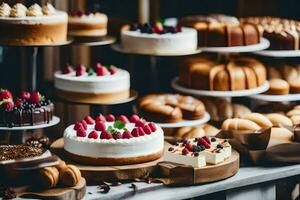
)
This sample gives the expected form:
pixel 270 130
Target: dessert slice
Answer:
pixel 199 152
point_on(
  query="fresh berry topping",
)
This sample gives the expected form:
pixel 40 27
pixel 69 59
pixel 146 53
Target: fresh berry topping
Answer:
pixel 81 69
pixel 135 132
pixel 133 118
pixel 134 27
pixel 25 95
pixel 178 29
pixel 98 65
pixel 77 126
pixel 170 149
pixel 123 118
pixel 93 135
pixel 152 126
pixel 213 139
pixel 78 13
pixel 106 135
pixel 110 118
pixel 202 141
pixel 5 94
pixel 127 135
pixel 100 126
pixel 67 69
pixel 196 154
pixel 89 120
pixel 196 148
pixel 117 136
pixel 147 129
pixel 158 28
pixel 84 124
pixel 8 105
pixel 112 70
pixel 146 28
pixel 100 118
pixel 101 71
pixel 185 151
pixel 220 146
pixel 36 98
pixel 141 131
pixel 185 141
pixel 206 139
pixel 81 133
pixel 140 123
pixel 189 146
pixel 19 102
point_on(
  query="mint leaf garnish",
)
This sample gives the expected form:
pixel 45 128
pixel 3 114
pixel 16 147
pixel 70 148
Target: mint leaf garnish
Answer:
pixel 91 72
pixel 119 124
pixel 110 128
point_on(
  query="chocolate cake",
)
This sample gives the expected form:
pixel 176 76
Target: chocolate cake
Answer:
pixel 16 152
pixel 29 109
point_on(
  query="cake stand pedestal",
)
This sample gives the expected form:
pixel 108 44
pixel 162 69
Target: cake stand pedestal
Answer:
pixel 17 132
pixel 94 41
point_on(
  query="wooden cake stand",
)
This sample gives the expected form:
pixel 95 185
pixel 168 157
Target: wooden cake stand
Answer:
pixel 107 173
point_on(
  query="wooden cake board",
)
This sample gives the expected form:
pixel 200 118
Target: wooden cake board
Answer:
pixel 107 173
pixel 59 193
pixel 177 174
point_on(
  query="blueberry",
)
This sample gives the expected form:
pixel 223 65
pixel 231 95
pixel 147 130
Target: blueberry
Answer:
pixel 196 139
pixel 134 27
pixel 171 149
pixel 185 141
pixel 196 154
pixel 220 146
pixel 213 139
pixel 196 148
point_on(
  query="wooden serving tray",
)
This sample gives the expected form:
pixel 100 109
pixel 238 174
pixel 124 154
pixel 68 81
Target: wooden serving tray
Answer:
pixel 177 174
pixel 107 173
pixel 59 193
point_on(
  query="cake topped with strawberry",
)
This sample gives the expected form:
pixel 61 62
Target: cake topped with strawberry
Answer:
pixel 97 84
pixel 113 140
pixel 158 38
pixel 27 109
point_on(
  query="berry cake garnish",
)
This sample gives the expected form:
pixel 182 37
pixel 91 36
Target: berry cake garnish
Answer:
pixel 158 27
pixel 199 152
pixel 27 109
pixel 113 127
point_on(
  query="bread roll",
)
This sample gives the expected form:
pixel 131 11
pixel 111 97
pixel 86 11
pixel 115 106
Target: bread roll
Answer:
pixel 239 124
pixel 278 87
pixel 210 130
pixel 295 86
pixel 195 133
pixel 273 73
pixel 182 131
pixel 293 112
pixel 259 119
pixel 278 133
pixel 279 119
pixel 239 110
pixel 295 119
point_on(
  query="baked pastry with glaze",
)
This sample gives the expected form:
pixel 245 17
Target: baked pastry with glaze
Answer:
pixel 170 108
pixel 87 24
pixel 113 141
pixel 35 25
pixel 222 30
pixel 69 175
pixel 101 84
pixel 240 73
pixel 49 177
pixel 278 87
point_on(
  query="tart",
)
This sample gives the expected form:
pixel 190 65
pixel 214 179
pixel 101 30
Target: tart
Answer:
pixel 27 110
pixel 158 38
pixel 199 152
pixel 107 140
pixel 101 84
pixel 87 24
pixel 35 25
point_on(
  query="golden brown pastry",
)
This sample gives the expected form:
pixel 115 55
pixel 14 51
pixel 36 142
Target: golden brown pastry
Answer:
pixel 70 175
pixel 295 119
pixel 278 87
pixel 293 112
pixel 295 86
pixel 279 119
pixel 239 124
pixel 279 133
pixel 259 119
pixel 49 177
pixel 210 130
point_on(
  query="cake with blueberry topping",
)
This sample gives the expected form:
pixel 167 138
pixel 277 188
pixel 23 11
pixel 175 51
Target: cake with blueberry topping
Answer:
pixel 27 110
pixel 199 152
pixel 100 84
pixel 87 24
pixel 34 25
pixel 107 140
pixel 158 38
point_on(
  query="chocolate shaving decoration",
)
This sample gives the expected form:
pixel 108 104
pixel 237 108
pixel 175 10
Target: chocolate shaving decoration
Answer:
pixel 134 187
pixel 45 142
pixel 15 152
pixel 7 193
pixel 105 188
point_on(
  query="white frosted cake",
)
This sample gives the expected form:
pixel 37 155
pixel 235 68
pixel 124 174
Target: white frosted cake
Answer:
pixel 199 152
pixel 87 24
pixel 111 141
pixel 99 85
pixel 158 39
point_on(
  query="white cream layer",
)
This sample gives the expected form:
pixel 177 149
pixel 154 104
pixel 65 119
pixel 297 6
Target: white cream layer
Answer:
pixel 121 148
pixel 119 81
pixel 97 18
pixel 159 43
pixel 58 17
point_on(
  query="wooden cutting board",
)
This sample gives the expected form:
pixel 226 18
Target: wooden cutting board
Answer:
pixel 59 193
pixel 107 173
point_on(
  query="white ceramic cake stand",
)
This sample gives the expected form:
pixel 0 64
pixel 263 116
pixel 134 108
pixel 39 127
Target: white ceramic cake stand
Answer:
pixel 238 93
pixel 17 132
pixel 184 123
pixel 276 98
pixel 279 53
pixel 264 44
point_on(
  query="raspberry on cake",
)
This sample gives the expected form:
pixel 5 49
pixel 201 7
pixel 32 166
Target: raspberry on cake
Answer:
pixel 199 152
pixel 28 109
pixel 99 84
pixel 158 38
pixel 114 142
pixel 87 24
